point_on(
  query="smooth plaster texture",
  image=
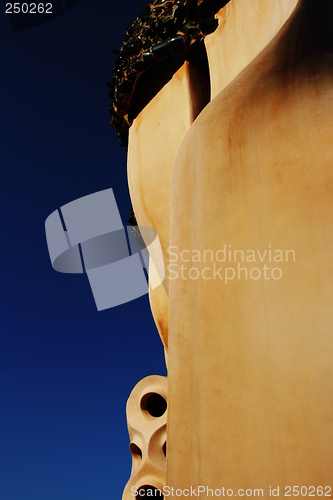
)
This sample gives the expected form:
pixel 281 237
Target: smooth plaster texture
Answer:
pixel 154 140
pixel 245 28
pixel 250 361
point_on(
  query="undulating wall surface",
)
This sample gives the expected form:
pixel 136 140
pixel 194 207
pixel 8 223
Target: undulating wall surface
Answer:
pixel 154 140
pixel 249 188
pixel 245 28
pixel 250 334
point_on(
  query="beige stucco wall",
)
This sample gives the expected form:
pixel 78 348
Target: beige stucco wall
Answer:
pixel 154 140
pixel 250 361
pixel 245 28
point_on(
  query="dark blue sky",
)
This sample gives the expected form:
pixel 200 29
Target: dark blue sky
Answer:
pixel 65 369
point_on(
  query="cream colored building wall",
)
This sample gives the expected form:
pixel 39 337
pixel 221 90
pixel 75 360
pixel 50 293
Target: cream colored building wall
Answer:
pixel 245 28
pixel 154 140
pixel 250 360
